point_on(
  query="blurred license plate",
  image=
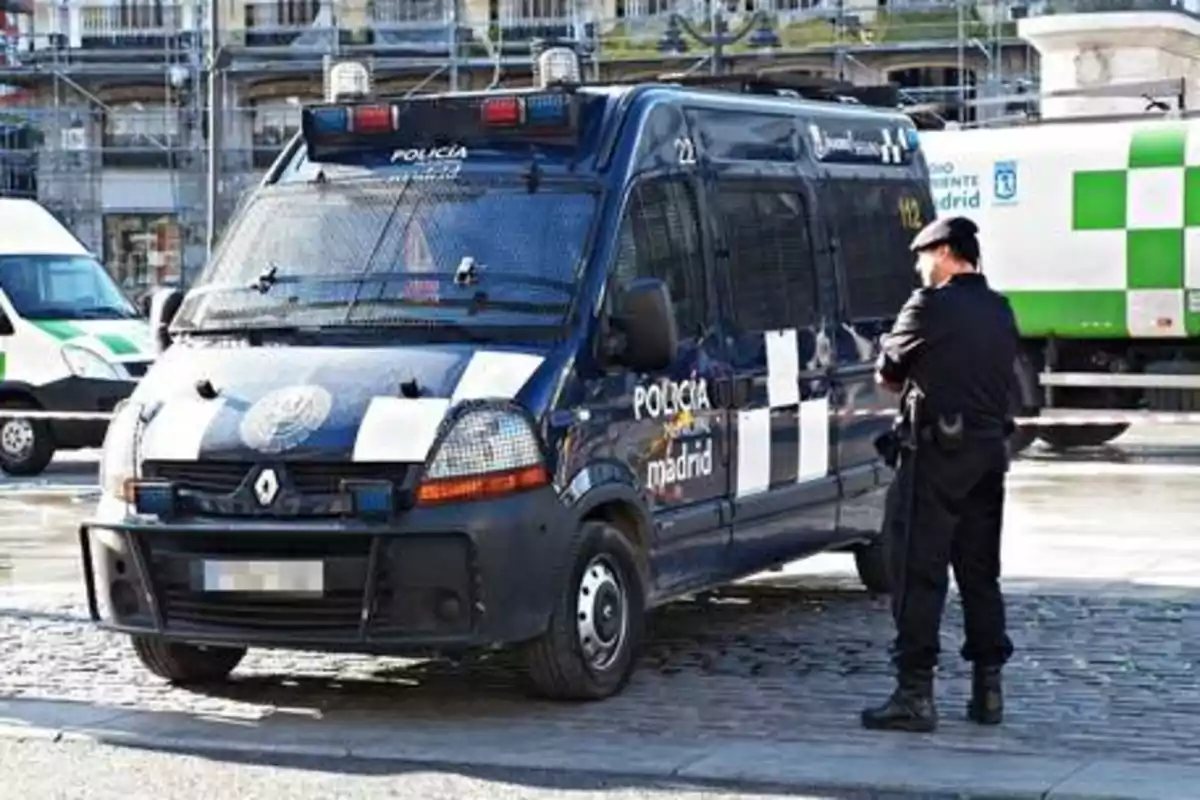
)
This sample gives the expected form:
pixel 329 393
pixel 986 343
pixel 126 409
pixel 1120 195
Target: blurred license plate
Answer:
pixel 264 576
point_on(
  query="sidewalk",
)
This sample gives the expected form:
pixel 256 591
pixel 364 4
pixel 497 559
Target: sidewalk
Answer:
pixel 897 765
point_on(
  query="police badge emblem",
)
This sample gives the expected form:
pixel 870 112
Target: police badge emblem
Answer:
pixel 285 418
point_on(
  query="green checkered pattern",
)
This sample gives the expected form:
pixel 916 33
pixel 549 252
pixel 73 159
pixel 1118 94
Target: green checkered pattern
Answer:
pixel 1149 204
pixel 1153 201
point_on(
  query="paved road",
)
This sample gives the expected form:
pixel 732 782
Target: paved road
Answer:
pixel 1102 569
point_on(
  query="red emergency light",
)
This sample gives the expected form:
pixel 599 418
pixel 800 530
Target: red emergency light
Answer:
pixel 501 111
pixel 549 116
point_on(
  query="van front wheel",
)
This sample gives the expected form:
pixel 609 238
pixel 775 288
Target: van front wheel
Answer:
pixel 590 649
pixel 186 664
pixel 26 445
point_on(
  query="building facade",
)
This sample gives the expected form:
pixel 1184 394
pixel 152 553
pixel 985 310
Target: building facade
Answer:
pixel 103 117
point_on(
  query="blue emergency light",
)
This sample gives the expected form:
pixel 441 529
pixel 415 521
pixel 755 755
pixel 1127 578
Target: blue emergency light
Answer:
pixel 154 497
pixel 549 116
pixel 370 499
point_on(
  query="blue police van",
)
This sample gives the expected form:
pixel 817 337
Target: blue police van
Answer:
pixel 510 369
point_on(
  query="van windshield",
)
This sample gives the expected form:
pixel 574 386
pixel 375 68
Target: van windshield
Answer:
pixel 62 287
pixel 382 251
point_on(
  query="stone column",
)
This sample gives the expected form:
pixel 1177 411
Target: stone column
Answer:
pixel 1101 49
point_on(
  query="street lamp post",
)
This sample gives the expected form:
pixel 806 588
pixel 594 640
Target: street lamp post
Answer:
pixel 758 28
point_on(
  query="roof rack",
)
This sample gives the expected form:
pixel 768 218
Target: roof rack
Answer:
pixel 781 83
pixel 791 84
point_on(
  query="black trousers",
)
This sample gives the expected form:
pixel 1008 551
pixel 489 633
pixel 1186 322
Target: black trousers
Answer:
pixel 947 510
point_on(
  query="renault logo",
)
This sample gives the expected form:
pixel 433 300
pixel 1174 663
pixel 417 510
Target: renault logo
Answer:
pixel 266 486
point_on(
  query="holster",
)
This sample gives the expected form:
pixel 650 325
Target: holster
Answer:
pixel 902 436
pixel 948 432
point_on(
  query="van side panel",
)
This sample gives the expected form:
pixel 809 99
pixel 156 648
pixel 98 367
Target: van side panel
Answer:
pixel 780 502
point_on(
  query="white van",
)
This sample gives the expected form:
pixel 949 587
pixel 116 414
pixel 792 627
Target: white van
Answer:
pixel 70 340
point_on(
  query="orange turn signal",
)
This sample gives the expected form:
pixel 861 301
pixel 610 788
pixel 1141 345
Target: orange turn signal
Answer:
pixel 482 487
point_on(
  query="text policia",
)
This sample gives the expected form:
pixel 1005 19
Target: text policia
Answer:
pixel 684 451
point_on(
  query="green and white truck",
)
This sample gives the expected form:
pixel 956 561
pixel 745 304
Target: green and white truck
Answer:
pixel 71 343
pixel 1092 229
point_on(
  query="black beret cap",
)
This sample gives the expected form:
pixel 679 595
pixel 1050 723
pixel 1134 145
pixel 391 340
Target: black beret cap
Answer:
pixel 941 231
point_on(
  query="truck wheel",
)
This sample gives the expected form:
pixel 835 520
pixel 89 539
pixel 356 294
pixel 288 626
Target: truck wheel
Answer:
pixel 184 664
pixel 26 445
pixel 871 562
pixel 1067 437
pixel 590 649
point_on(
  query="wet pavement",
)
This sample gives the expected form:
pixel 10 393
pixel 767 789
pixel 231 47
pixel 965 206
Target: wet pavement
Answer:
pixel 1102 573
pixel 1122 512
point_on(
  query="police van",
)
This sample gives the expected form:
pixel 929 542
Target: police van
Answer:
pixel 70 340
pixel 511 369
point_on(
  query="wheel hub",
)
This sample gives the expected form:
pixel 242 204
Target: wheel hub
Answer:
pixel 603 617
pixel 16 438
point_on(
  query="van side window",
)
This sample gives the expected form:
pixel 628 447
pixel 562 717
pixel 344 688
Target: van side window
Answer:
pixel 772 277
pixel 874 245
pixel 660 238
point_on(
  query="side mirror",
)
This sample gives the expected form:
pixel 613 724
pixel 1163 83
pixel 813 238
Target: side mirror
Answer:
pixel 6 326
pixel 164 305
pixel 646 317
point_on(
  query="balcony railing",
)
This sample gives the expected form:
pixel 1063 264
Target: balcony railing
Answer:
pixel 140 24
pixel 428 26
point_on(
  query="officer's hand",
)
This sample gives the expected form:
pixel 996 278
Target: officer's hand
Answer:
pixel 891 386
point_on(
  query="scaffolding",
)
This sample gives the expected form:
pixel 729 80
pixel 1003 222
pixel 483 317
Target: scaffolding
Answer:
pixel 106 115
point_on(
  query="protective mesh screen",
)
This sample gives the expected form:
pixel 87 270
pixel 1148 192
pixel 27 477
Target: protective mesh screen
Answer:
pixel 874 244
pixel 772 270
pixel 485 441
pixel 378 227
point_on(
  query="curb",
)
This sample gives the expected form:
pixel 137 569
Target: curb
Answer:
pixel 893 767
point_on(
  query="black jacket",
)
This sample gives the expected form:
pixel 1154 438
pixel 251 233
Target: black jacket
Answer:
pixel 958 344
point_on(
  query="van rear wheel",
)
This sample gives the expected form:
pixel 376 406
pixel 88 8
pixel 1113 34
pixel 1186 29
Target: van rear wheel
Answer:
pixel 26 445
pixel 871 563
pixel 591 646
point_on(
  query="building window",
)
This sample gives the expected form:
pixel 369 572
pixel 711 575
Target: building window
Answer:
pixel 141 135
pixel 142 251
pixel 275 123
pixel 280 22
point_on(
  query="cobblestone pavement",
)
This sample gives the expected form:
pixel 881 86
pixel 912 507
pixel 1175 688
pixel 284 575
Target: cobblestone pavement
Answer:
pixel 1104 603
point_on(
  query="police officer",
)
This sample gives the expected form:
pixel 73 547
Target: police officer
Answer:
pixel 950 354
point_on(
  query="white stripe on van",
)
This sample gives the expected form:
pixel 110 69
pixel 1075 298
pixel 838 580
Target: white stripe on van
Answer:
pixel 176 432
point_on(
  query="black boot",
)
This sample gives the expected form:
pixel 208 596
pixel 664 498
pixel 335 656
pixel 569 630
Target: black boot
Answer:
pixel 910 708
pixel 986 705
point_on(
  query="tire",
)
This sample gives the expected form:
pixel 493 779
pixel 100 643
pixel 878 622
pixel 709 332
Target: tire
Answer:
pixel 186 664
pixel 871 562
pixel 602 565
pixel 1068 437
pixel 1021 439
pixel 26 445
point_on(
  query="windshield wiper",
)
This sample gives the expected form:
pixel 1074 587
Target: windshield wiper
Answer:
pixel 367 329
pixel 266 279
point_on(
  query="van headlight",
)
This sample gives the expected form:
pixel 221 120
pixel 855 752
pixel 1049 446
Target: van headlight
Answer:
pixel 119 453
pixel 487 453
pixel 84 363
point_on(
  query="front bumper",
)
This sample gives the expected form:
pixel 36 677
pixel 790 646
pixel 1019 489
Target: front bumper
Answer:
pixel 435 579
